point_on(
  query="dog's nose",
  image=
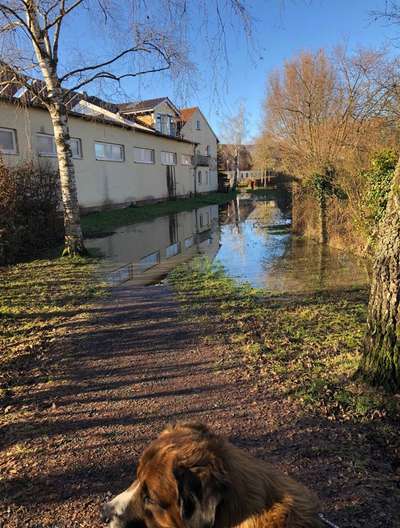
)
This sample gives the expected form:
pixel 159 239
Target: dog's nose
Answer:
pixel 106 513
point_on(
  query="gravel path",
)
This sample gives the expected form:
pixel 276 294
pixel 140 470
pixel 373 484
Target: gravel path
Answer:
pixel 125 372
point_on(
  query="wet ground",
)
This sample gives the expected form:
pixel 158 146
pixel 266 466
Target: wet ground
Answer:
pixel 250 236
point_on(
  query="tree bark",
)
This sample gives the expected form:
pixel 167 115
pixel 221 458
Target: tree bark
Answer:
pixel 73 244
pixel 48 65
pixel 380 363
pixel 323 233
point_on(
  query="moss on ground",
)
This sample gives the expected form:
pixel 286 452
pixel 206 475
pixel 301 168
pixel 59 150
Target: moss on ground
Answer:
pixel 306 346
pixel 96 224
pixel 36 300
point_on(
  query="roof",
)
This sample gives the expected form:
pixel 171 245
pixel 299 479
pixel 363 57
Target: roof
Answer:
pixel 79 104
pixel 145 106
pixel 186 113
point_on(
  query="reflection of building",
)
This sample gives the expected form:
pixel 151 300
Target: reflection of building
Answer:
pixel 146 252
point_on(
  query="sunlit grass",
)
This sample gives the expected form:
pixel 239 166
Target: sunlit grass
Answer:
pixel 36 299
pixel 306 345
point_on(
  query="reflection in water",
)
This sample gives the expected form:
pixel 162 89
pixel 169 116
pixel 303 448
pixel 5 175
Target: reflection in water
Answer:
pixel 250 236
pixel 146 252
pixel 266 254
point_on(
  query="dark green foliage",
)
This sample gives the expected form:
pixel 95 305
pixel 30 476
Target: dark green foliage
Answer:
pixel 379 179
pixel 29 219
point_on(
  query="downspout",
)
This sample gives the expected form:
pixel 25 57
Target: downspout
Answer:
pixel 194 169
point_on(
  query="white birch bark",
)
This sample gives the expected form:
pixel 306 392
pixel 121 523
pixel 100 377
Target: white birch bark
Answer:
pixel 59 117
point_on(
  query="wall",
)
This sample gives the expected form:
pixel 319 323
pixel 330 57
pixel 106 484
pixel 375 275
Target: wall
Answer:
pixel 205 136
pixel 104 183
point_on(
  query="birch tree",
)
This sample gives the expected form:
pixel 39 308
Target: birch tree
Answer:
pixel 234 134
pixel 153 39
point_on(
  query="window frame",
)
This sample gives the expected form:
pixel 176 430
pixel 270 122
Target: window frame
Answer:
pixel 54 155
pixel 186 156
pixel 168 164
pixel 153 160
pixel 14 151
pixel 176 245
pixel 96 142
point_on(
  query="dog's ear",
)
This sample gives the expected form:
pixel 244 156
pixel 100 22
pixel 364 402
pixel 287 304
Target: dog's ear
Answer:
pixel 189 490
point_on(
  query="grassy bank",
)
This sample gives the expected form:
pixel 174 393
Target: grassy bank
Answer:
pixel 37 300
pixel 304 346
pixel 106 221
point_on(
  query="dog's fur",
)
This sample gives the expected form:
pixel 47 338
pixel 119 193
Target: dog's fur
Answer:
pixel 192 478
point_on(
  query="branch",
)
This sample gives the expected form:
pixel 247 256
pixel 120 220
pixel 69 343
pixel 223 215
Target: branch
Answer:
pixel 150 47
pixel 63 13
pixel 8 11
pixel 113 77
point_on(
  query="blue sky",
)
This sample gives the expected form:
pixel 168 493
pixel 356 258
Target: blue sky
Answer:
pixel 283 28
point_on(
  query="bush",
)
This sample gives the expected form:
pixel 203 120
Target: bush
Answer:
pixel 29 215
pixel 379 179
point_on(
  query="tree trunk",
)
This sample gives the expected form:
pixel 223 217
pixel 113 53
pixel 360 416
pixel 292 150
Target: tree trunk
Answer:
pixel 380 363
pixel 73 244
pixel 323 228
pixel 59 117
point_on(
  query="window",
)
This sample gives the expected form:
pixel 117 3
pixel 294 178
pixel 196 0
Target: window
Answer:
pixel 109 152
pixel 8 141
pixel 199 177
pixel 206 177
pixel 168 158
pixel 186 159
pixel 149 261
pixel 198 124
pixel 143 155
pixel 172 250
pixel 20 92
pixel 208 150
pixel 189 242
pixel 76 147
pixel 165 124
pixel 46 146
pixel 204 219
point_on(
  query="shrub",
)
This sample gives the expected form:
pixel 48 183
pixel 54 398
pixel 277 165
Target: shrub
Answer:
pixel 29 215
pixel 379 179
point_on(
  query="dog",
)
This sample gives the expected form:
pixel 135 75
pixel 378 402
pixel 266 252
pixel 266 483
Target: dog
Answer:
pixel 190 477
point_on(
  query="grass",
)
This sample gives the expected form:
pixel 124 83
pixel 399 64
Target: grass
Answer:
pixel 305 346
pixel 102 222
pixel 36 300
pixel 259 190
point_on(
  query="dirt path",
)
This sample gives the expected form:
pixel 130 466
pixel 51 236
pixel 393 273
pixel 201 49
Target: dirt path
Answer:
pixel 127 371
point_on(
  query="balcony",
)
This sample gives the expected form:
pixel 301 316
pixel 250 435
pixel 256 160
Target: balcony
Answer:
pixel 200 160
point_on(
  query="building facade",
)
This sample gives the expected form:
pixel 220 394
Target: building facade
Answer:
pixel 117 162
pixel 194 127
pixel 122 153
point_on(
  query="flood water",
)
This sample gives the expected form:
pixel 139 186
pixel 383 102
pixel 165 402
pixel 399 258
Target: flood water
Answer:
pixel 249 236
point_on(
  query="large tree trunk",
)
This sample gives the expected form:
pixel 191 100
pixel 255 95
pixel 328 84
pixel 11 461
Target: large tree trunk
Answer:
pixel 380 363
pixel 73 233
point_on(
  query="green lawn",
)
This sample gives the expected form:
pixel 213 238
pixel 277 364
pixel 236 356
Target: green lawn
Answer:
pixel 36 300
pixel 106 221
pixel 303 345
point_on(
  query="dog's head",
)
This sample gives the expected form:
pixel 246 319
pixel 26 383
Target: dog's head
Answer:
pixel 180 482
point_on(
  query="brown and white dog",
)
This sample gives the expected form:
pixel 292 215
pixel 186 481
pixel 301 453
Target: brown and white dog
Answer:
pixel 192 478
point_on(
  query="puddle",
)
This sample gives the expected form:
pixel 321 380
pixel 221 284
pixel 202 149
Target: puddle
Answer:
pixel 250 236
